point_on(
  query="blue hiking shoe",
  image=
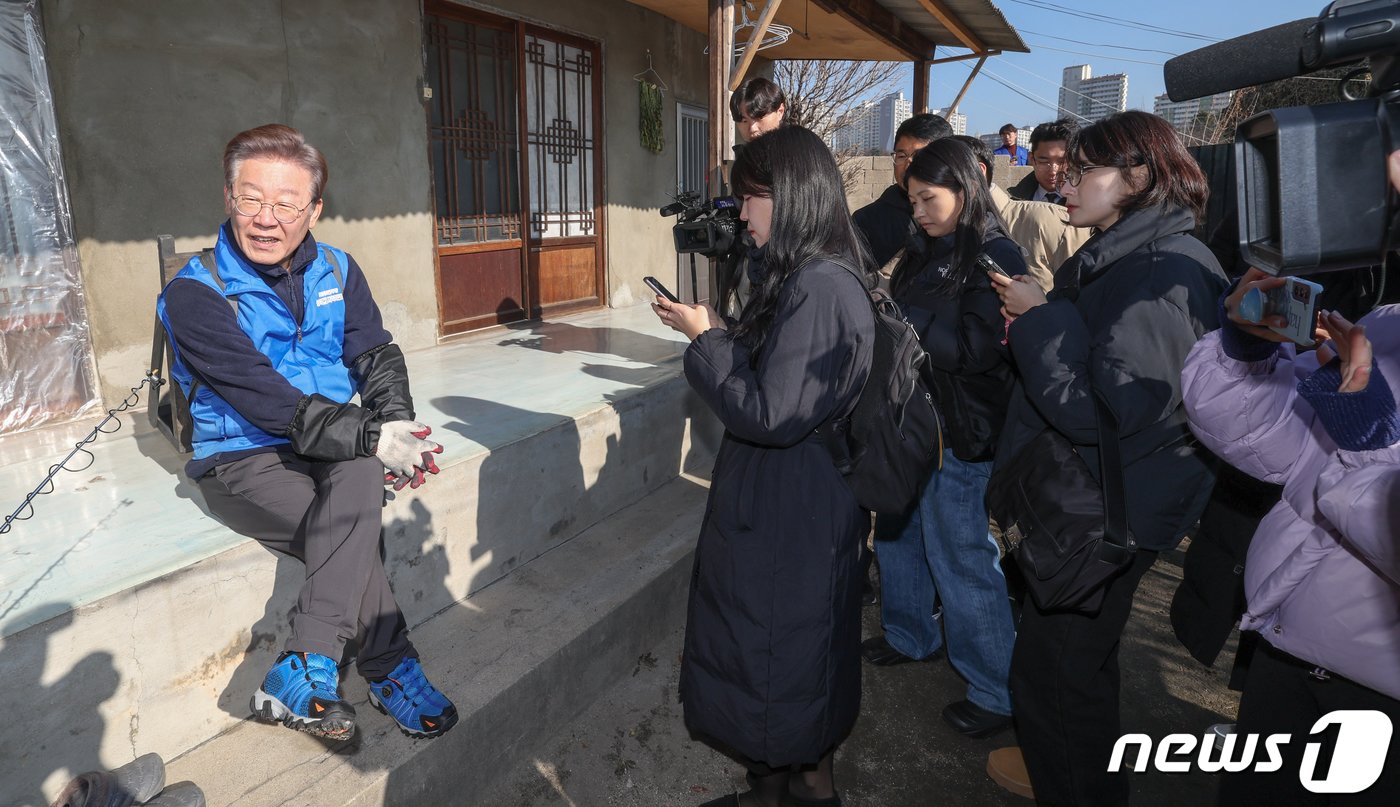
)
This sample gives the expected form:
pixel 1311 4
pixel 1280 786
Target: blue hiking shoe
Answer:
pixel 413 702
pixel 300 691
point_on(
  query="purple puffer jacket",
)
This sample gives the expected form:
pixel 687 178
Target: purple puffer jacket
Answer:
pixel 1323 574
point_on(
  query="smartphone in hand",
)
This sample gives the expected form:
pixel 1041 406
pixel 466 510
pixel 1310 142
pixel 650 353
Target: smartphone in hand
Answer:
pixel 656 286
pixel 1295 300
pixel 985 262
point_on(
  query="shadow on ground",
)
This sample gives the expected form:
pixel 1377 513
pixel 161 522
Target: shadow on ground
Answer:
pixel 631 748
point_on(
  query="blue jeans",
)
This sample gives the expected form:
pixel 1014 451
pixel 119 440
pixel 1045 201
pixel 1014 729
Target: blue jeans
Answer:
pixel 943 551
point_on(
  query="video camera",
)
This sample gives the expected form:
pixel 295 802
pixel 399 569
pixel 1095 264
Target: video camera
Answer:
pixel 709 227
pixel 1311 180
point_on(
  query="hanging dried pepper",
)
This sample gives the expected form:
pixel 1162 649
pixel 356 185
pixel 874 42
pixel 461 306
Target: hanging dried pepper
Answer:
pixel 653 135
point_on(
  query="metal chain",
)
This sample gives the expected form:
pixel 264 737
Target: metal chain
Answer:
pixel 46 486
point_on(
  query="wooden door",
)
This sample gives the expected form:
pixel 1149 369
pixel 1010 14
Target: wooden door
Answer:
pixel 563 99
pixel 513 134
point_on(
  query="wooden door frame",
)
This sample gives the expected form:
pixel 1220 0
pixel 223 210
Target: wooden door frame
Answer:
pixel 600 275
pixel 519 29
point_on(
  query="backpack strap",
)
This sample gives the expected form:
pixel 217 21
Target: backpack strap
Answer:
pixel 834 431
pixel 335 268
pixel 211 265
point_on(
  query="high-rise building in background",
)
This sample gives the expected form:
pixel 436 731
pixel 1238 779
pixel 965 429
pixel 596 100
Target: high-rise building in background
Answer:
pixel 1087 98
pixel 870 127
pixel 957 120
pixel 1182 114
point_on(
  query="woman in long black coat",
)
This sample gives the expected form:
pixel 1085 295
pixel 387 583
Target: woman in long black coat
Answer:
pixel 771 672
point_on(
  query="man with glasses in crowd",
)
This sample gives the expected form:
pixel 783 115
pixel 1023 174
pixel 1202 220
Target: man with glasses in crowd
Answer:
pixel 888 221
pixel 273 336
pixel 1048 159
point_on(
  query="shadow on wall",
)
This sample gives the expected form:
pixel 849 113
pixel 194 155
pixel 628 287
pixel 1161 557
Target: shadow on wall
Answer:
pixel 75 697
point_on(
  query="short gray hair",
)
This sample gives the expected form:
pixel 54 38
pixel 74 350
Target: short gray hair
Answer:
pixel 278 142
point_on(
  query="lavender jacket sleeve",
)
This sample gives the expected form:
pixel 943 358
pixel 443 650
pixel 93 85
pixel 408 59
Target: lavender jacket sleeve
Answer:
pixel 1244 411
pixel 1252 416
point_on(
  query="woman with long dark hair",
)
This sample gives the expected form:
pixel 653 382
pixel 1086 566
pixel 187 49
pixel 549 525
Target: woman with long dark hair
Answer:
pixel 942 549
pixel 771 672
pixel 1125 312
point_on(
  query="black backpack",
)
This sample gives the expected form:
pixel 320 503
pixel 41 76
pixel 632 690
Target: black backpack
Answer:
pixel 892 441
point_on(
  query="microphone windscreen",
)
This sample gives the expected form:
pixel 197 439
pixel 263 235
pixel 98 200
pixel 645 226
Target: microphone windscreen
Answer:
pixel 1268 55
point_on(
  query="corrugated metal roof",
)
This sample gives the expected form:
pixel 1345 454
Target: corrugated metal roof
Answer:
pixel 983 19
pixel 822 34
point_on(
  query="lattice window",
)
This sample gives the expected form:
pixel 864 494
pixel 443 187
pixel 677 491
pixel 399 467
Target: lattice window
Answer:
pixel 559 137
pixel 473 132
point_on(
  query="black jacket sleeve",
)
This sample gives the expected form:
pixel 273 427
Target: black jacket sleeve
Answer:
pixel 364 326
pixel 382 379
pixel 1134 356
pixel 814 361
pixel 970 341
pixel 325 430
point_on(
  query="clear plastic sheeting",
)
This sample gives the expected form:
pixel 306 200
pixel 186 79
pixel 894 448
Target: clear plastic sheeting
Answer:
pixel 45 364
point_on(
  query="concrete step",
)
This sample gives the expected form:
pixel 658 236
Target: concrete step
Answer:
pixel 166 664
pixel 520 658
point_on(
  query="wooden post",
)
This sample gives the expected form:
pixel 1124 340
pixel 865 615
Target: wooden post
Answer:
pixel 721 60
pixel 920 87
pixel 966 84
pixel 760 30
pixel 721 126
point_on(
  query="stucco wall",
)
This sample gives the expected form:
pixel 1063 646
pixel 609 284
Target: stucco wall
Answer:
pixel 147 95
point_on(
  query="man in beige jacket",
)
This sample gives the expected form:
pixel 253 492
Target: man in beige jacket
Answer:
pixel 1039 228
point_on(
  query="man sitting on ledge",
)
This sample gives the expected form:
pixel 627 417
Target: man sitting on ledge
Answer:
pixel 273 334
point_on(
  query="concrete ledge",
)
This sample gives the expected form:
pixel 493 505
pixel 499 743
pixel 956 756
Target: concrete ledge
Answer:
pixel 520 659
pixel 167 664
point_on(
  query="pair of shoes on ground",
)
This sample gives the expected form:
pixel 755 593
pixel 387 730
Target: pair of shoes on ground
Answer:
pixel 139 782
pixel 877 651
pixel 302 691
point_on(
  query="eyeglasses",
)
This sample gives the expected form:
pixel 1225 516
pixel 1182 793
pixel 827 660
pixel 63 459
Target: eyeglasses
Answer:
pixel 901 157
pixel 282 211
pixel 1075 173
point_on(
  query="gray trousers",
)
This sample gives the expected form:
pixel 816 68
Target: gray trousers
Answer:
pixel 328 515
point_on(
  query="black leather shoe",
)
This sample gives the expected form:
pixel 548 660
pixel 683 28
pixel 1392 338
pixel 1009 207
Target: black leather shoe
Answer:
pixel 972 720
pixel 877 651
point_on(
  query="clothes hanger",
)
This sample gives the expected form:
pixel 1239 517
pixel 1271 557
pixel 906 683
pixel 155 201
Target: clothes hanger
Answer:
pixel 652 70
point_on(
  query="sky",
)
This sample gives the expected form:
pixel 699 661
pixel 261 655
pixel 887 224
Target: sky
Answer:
pixel 989 104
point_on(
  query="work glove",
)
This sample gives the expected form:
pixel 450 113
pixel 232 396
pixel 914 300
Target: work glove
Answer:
pixel 406 452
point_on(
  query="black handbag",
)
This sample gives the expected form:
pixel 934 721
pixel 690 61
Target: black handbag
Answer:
pixel 1066 532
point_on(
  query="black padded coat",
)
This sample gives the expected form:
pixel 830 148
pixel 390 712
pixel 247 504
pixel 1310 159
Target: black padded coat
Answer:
pixel 772 667
pixel 1125 311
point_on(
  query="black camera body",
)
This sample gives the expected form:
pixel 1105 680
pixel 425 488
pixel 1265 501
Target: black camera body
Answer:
pixel 1311 180
pixel 708 227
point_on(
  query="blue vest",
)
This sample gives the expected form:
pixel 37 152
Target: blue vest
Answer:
pixel 308 354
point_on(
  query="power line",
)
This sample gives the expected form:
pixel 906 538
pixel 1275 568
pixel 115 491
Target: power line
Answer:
pixel 1110 20
pixel 1066 89
pixel 1095 44
pixel 1032 96
pixel 1082 95
pixel 1099 55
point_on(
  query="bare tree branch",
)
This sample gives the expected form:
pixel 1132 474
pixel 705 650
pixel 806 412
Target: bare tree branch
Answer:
pixel 820 92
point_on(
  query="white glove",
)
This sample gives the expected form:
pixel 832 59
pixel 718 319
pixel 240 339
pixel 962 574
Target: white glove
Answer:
pixel 406 453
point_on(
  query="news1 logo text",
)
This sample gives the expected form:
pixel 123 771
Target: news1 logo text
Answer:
pixel 1356 742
